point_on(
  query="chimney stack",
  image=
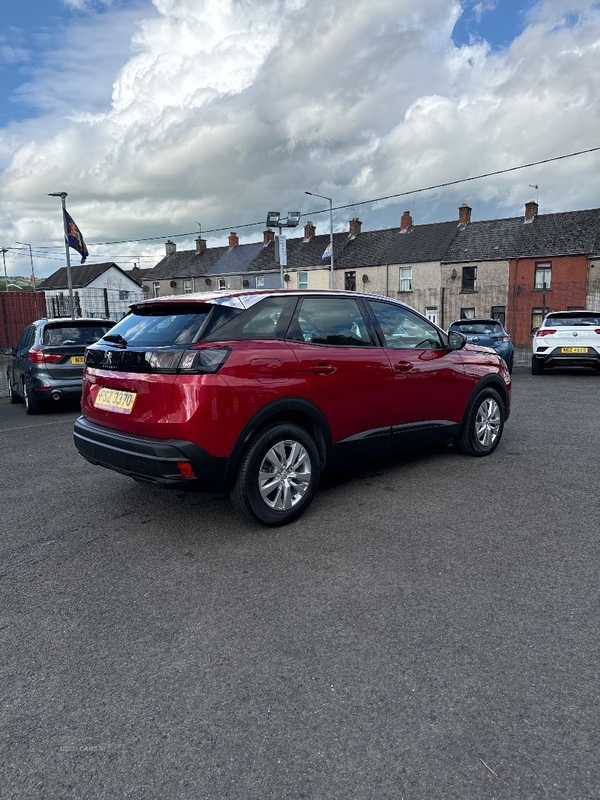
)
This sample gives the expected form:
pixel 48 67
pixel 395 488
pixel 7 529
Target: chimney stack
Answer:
pixel 531 210
pixel 268 237
pixel 170 247
pixel 406 222
pixel 355 227
pixel 200 245
pixel 464 216
pixel 233 239
pixel 309 231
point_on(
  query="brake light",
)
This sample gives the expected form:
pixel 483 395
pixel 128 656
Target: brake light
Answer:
pixel 505 339
pixel 545 331
pixel 204 360
pixel 39 357
pixel 596 330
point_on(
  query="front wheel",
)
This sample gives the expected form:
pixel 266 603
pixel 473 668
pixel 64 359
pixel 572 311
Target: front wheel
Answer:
pixel 484 425
pixel 32 404
pixel 278 476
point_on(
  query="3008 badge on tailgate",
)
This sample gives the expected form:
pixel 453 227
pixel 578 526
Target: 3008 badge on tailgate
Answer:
pixel 115 400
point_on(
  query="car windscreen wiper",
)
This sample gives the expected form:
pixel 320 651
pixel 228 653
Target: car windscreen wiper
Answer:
pixel 116 338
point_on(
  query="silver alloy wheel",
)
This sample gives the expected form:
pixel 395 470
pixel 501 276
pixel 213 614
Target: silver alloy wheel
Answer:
pixel 25 395
pixel 487 422
pixel 285 474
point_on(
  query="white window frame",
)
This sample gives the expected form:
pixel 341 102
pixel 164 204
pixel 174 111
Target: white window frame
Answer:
pixel 406 279
pixel 187 286
pixel 543 273
pixel 431 312
pixel 221 284
pixel 303 280
pixel 156 289
pixel 260 281
pixel 467 313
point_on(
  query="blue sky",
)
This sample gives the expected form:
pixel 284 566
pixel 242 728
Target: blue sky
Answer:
pixel 157 115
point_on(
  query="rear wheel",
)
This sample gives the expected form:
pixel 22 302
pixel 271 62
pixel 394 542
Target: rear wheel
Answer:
pixel 536 367
pixel 32 404
pixel 278 476
pixel 12 397
pixel 484 425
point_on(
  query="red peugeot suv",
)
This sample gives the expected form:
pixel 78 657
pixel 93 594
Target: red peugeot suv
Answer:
pixel 258 392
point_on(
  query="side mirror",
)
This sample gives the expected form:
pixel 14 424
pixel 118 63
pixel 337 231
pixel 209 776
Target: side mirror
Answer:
pixel 456 340
pixel 10 351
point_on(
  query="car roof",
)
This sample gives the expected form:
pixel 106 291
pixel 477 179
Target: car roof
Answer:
pixel 574 312
pixel 69 321
pixel 478 321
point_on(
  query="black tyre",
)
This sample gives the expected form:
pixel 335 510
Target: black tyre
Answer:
pixel 278 476
pixel 12 397
pixel 483 426
pixel 32 404
pixel 536 367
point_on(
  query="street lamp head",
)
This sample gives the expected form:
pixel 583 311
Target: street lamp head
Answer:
pixel 293 218
pixel 322 196
pixel 57 194
pixel 273 219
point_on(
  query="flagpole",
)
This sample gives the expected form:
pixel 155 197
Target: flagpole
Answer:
pixel 62 196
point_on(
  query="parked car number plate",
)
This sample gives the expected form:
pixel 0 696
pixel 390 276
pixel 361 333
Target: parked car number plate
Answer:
pixel 115 400
pixel 573 349
pixel 77 359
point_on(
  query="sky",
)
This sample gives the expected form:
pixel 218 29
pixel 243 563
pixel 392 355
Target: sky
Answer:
pixel 161 118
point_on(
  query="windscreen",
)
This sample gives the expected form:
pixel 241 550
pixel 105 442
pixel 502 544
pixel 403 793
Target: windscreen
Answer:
pixel 162 326
pixel 480 328
pixel 67 334
pixel 576 318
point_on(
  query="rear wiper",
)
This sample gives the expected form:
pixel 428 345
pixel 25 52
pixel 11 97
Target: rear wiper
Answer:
pixel 116 338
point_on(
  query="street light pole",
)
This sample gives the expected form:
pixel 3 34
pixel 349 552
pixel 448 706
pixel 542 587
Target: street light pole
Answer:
pixel 25 244
pixel 330 200
pixel 5 275
pixel 62 196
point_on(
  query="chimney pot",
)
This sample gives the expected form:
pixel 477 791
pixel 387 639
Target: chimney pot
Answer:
pixel 406 222
pixel 200 245
pixel 531 210
pixel 464 215
pixel 268 236
pixel 233 239
pixel 355 227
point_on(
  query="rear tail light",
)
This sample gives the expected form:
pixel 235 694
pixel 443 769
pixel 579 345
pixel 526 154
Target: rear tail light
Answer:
pixel 205 360
pixel 596 330
pixel 39 357
pixel 185 469
pixel 505 339
pixel 545 331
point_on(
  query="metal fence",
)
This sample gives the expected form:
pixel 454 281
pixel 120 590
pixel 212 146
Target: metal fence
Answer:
pixel 91 302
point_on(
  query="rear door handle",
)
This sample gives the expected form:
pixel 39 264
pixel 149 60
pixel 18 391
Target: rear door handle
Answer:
pixel 403 366
pixel 323 369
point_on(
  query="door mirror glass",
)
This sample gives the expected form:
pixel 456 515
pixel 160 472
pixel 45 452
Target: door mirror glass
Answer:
pixel 10 351
pixel 456 340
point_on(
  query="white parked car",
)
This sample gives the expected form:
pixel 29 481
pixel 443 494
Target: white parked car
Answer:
pixel 567 339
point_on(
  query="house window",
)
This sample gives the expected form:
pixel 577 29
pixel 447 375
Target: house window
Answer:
pixel 221 283
pixel 537 317
pixel 260 281
pixel 187 287
pixel 156 289
pixel 431 312
pixel 406 279
pixel 543 272
pixel 303 280
pixel 499 313
pixel 350 281
pixel 469 279
pixel 467 313
pixel 123 295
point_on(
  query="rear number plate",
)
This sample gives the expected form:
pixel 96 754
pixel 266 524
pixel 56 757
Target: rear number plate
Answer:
pixel 115 400
pixel 77 359
pixel 573 349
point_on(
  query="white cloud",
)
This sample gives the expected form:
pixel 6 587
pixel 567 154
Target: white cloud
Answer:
pixel 224 109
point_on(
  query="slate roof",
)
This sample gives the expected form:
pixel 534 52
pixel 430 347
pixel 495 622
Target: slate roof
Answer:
pixel 368 249
pixel 235 260
pixel 186 264
pixel 421 243
pixel 81 276
pixel 565 233
pixel 301 254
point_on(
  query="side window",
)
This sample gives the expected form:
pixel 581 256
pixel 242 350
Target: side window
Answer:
pixel 267 319
pixel 331 321
pixel 401 329
pixel 26 339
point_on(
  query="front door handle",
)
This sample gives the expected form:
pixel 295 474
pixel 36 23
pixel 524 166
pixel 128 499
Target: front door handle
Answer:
pixel 323 369
pixel 403 366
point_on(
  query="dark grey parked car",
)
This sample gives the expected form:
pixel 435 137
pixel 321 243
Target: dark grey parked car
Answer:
pixel 48 361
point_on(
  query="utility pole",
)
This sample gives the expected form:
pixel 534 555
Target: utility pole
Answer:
pixel 4 250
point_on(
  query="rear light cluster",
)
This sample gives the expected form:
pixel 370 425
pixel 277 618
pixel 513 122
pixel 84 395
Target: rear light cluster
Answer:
pixel 206 360
pixel 545 331
pixel 39 357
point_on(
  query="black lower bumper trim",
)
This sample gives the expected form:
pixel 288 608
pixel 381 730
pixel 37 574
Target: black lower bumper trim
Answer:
pixel 153 460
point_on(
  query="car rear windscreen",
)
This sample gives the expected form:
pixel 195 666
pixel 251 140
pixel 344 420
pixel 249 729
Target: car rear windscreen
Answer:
pixel 479 328
pixel 67 334
pixel 568 320
pixel 162 326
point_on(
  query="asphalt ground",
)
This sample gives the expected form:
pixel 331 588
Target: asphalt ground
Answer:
pixel 429 629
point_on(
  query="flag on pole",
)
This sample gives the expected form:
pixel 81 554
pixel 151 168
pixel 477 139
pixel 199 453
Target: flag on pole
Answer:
pixel 74 237
pixel 327 253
